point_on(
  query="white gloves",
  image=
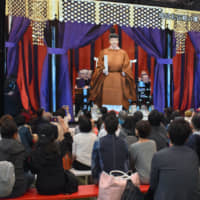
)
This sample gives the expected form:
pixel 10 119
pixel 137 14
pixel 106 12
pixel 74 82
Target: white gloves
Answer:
pixel 123 74
pixel 105 72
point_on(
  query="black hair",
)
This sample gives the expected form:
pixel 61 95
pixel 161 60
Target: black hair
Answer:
pixel 168 112
pixel 8 128
pixel 128 123
pixel 47 133
pixel 39 112
pixel 112 113
pixel 154 118
pixel 104 112
pixel 137 116
pixel 196 121
pixel 163 119
pixel 60 112
pixel 99 123
pixel 175 114
pixel 85 124
pixel 111 124
pixel 20 120
pixel 144 128
pixel 87 114
pixel 179 131
pixel 46 144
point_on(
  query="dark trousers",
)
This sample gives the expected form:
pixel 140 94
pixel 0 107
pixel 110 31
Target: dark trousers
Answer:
pixel 79 166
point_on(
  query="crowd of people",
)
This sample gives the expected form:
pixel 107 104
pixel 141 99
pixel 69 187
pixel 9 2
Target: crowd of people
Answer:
pixel 163 150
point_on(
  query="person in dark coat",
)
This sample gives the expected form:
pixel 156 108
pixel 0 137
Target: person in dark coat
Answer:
pixel 194 139
pixel 109 152
pixel 127 131
pixel 42 118
pixel 13 151
pixel 158 132
pixel 174 170
pixel 46 161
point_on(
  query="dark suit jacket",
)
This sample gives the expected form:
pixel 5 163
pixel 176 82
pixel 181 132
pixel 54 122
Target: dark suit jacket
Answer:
pixel 174 174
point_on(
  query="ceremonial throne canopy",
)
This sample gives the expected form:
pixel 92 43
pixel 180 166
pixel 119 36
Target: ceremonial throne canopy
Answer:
pixel 80 21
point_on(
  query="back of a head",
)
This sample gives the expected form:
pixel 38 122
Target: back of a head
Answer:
pixel 6 117
pixel 47 133
pixel 47 116
pixel 111 124
pixel 154 118
pixel 179 131
pixel 104 112
pixel 196 122
pixel 39 112
pixel 112 113
pixel 20 120
pixel 175 114
pixel 138 115
pixel 168 112
pixel 60 112
pixel 122 115
pixel 143 128
pixel 85 124
pixel 128 123
pixel 8 128
pixel 88 114
pixel 99 123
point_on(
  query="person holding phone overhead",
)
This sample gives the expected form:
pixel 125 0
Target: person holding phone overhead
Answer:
pixel 112 82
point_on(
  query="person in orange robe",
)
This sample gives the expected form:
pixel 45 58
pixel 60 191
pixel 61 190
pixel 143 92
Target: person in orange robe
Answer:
pixel 116 85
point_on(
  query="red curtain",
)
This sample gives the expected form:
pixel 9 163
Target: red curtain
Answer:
pixel 183 75
pixel 29 61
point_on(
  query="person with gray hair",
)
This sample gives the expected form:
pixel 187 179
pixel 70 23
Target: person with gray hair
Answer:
pixel 122 117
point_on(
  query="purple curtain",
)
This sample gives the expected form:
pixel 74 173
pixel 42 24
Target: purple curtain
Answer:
pixel 153 41
pixel 195 38
pixel 19 26
pixel 70 35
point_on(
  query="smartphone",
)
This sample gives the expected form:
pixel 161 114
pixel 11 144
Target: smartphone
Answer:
pixel 54 119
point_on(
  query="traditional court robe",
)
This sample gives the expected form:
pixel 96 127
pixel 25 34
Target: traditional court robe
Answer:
pixel 113 89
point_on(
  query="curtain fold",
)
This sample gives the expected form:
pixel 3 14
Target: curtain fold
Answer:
pixel 153 41
pixel 70 35
pixel 187 78
pixel 19 26
pixel 195 38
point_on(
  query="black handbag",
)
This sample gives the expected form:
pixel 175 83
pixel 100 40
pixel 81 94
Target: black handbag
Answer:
pixel 132 192
pixel 71 182
pixel 149 195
